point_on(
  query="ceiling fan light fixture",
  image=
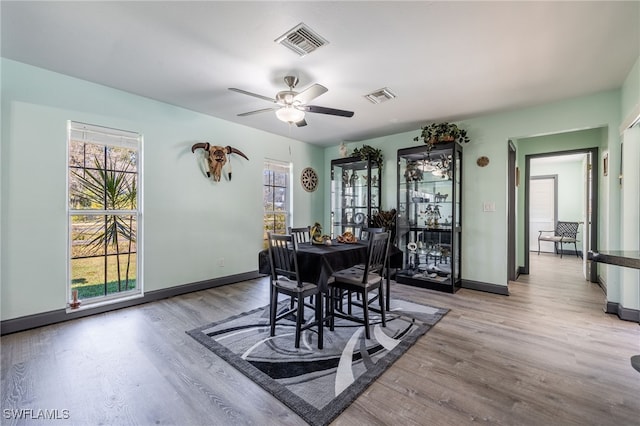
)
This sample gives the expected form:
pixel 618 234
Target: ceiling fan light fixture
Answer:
pixel 289 114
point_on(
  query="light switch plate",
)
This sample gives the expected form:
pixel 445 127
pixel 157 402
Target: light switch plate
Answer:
pixel 489 206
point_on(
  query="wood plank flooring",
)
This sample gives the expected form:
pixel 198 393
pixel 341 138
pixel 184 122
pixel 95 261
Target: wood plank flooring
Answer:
pixel 545 355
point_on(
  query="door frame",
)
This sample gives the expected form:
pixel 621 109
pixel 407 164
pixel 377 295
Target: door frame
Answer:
pixel 512 269
pixel 591 221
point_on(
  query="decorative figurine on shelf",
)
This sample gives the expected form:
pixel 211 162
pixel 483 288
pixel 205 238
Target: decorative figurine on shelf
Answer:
pixel 413 172
pixel 354 178
pixel 345 178
pixel 429 212
pixel 436 216
pixel 412 247
pixel 439 198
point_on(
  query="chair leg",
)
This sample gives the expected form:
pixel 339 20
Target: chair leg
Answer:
pixel 538 247
pixel 388 292
pixel 299 319
pixel 382 307
pixel 332 308
pixel 272 311
pixel 365 311
pixel 319 320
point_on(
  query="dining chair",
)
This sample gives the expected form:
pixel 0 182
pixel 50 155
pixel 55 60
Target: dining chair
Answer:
pixel 363 281
pixel 285 280
pixel 302 235
pixel 365 232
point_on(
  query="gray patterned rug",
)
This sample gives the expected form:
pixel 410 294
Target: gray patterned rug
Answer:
pixel 317 384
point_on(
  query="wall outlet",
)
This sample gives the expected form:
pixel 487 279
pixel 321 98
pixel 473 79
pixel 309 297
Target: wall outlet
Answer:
pixel 221 262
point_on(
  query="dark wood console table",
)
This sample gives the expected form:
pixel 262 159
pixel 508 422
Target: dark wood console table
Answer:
pixel 629 259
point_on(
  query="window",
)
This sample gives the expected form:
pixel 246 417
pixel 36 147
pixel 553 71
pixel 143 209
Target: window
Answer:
pixel 104 194
pixel 276 197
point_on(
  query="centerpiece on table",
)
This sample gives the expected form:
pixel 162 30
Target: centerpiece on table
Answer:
pixel 317 237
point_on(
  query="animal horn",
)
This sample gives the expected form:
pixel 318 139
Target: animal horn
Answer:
pixel 231 149
pixel 203 145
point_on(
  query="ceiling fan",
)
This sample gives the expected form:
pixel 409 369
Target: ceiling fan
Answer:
pixel 293 105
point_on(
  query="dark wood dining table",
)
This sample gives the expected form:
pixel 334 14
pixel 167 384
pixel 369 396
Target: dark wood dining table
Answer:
pixel 317 262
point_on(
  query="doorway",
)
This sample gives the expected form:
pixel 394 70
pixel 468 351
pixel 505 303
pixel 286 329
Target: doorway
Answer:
pixel 588 183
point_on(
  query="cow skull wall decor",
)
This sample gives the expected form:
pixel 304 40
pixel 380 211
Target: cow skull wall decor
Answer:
pixel 217 157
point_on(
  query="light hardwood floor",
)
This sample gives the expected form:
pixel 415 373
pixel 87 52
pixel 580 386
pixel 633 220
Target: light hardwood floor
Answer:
pixel 545 355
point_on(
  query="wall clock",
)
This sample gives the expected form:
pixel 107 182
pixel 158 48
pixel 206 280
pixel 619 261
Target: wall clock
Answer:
pixel 309 179
pixel 482 161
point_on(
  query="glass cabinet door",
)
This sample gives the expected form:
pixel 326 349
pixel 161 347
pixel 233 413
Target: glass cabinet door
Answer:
pixel 355 195
pixel 428 224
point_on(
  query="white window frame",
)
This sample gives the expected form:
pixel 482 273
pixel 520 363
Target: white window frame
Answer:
pixel 104 136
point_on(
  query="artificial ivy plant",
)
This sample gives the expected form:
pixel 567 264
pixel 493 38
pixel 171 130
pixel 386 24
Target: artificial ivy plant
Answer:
pixel 369 152
pixel 442 132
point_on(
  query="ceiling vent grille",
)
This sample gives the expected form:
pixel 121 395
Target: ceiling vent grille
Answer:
pixel 380 96
pixel 301 39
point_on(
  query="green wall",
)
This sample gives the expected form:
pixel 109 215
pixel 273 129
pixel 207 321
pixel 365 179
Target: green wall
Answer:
pixel 189 222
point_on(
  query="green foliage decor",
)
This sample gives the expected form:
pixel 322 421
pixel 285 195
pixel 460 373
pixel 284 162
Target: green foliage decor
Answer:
pixel 369 152
pixel 442 132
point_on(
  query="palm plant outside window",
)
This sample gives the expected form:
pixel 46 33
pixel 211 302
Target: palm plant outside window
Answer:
pixel 104 212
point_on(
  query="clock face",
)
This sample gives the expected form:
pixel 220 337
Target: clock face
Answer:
pixel 309 179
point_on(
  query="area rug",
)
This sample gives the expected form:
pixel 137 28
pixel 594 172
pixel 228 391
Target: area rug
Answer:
pixel 317 384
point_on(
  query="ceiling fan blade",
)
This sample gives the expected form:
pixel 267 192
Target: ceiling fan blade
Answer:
pixel 310 93
pixel 258 111
pixel 255 95
pixel 301 123
pixel 323 110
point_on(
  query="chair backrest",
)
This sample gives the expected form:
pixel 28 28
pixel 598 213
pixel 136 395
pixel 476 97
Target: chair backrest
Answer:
pixel 301 235
pixel 283 257
pixel 567 229
pixel 377 251
pixel 366 232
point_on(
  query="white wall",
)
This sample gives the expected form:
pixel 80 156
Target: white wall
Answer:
pixel 189 221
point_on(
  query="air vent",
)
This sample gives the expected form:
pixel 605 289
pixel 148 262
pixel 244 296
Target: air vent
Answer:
pixel 301 39
pixel 380 96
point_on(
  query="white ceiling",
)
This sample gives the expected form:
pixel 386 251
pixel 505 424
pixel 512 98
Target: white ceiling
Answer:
pixel 445 61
